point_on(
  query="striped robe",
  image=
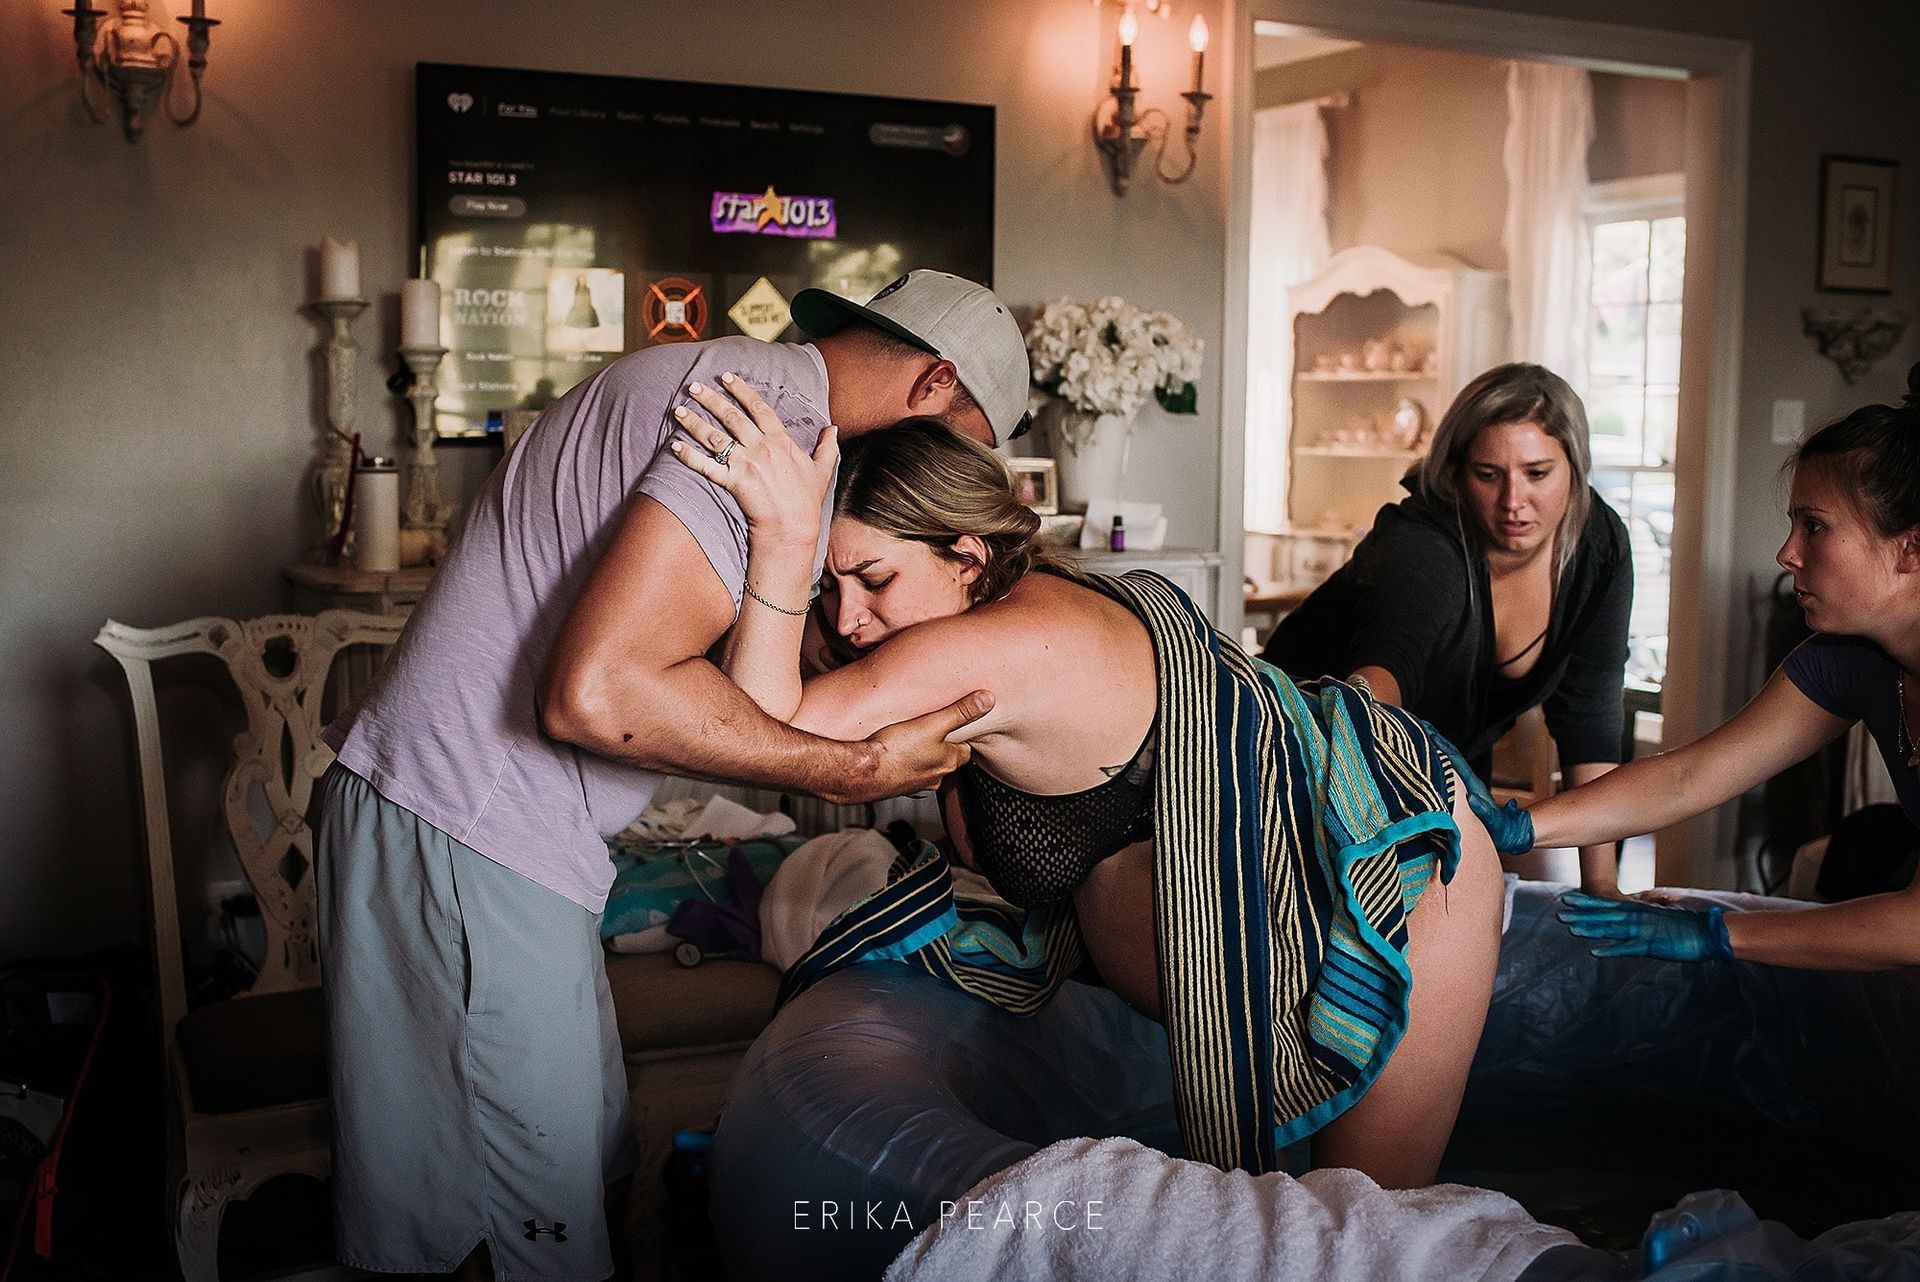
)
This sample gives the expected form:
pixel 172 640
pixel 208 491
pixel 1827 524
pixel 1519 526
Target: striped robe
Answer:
pixel 1295 826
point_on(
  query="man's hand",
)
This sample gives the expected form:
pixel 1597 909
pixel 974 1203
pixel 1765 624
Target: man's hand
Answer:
pixel 1631 928
pixel 913 756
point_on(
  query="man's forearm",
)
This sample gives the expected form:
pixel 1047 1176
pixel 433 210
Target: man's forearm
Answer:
pixel 691 720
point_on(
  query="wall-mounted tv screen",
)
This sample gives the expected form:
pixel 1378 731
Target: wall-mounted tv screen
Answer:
pixel 569 219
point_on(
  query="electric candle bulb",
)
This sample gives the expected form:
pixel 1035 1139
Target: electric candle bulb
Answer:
pixel 1197 34
pixel 1129 28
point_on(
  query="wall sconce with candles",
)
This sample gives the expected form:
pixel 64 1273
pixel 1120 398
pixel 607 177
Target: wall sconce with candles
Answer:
pixel 134 61
pixel 1121 133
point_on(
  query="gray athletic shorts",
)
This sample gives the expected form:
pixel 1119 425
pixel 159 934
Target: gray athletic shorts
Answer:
pixel 478 1087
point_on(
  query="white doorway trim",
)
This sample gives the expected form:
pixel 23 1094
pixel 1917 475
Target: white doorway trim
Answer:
pixel 1718 73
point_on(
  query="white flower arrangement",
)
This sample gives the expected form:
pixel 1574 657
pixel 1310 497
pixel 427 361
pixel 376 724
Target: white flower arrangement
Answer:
pixel 1108 356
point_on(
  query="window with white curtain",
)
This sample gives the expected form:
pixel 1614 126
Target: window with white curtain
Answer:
pixel 1636 233
pixel 1288 243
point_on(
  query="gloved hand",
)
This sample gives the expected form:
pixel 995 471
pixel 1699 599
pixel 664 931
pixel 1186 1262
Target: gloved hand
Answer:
pixel 1635 929
pixel 1510 827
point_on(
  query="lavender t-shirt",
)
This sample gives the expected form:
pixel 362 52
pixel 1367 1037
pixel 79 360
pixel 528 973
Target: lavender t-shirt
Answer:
pixel 451 728
pixel 1852 677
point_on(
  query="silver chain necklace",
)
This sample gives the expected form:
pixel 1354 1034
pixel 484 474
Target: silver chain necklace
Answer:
pixel 1903 739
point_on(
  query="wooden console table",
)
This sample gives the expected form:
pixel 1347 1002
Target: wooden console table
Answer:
pixel 342 587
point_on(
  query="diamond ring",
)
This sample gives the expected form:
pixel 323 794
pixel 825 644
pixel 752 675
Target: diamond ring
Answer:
pixel 722 457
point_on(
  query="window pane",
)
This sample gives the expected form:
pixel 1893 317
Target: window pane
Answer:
pixel 1650 530
pixel 1616 488
pixel 1669 258
pixel 1620 262
pixel 1633 374
pixel 1661 426
pixel 1614 416
pixel 1663 343
pixel 1617 344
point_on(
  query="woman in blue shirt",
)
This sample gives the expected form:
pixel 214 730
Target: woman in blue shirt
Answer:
pixel 1854 554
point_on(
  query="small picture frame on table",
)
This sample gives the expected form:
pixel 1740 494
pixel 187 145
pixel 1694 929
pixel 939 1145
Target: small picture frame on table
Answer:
pixel 1036 484
pixel 1856 225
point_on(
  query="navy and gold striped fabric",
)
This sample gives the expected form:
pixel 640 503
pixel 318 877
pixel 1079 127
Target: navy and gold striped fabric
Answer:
pixel 1294 829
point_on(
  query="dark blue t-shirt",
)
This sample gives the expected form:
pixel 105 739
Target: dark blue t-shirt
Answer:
pixel 1852 677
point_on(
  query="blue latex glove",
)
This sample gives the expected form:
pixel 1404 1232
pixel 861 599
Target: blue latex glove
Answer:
pixel 1636 929
pixel 1510 827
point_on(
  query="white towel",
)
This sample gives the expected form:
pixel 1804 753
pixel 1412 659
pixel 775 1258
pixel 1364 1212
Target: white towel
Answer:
pixel 725 820
pixel 815 884
pixel 1113 1210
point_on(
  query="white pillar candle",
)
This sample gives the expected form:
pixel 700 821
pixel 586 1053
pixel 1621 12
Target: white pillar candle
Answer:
pixel 419 313
pixel 376 516
pixel 339 268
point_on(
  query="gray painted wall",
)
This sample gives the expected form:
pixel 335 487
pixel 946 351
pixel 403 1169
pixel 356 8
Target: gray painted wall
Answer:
pixel 158 394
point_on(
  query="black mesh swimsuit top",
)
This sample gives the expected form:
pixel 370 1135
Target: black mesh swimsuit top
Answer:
pixel 1036 849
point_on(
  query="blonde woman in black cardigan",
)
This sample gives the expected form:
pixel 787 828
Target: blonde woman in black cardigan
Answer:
pixel 1500 583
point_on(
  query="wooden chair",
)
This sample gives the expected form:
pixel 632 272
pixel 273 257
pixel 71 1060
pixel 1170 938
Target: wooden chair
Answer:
pixel 247 1077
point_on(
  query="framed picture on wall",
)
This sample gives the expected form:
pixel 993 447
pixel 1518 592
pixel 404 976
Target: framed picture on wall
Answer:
pixel 1036 484
pixel 1856 224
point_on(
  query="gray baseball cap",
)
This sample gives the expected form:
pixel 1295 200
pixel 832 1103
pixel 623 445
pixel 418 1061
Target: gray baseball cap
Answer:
pixel 954 319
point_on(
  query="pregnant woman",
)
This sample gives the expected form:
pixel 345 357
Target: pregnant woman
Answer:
pixel 1283 874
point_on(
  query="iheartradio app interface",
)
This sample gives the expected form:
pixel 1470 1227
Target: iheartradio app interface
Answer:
pixel 569 219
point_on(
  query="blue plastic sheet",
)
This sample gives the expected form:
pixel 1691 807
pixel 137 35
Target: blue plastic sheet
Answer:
pixel 1603 1092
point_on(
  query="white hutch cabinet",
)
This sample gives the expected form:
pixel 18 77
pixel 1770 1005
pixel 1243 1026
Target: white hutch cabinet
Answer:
pixel 1381 345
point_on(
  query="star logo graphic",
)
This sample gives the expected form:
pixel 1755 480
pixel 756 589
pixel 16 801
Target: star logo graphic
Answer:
pixel 773 209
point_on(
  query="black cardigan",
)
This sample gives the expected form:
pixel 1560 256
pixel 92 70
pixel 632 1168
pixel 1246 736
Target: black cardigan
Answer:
pixel 1402 604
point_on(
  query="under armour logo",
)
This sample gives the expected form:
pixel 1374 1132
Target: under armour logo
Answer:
pixel 558 1232
pixel 460 102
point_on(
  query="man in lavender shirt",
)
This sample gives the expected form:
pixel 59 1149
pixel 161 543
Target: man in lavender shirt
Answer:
pixel 553 672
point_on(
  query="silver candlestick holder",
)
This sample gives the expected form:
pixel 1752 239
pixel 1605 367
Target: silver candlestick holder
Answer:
pixel 333 472
pixel 424 515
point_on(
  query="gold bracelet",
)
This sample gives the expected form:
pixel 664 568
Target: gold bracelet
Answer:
pixel 781 609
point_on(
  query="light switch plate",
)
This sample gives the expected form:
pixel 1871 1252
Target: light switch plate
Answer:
pixel 1789 420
